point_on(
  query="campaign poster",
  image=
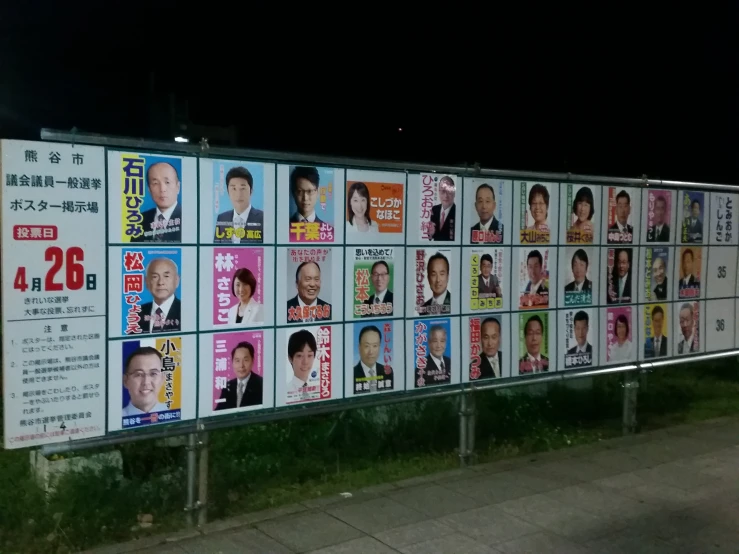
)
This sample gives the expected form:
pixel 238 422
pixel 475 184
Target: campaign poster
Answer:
pixel 374 352
pixel 238 287
pixel 656 323
pixel 658 214
pixel 720 324
pixel 693 213
pixel 582 205
pixel 157 198
pixel 656 273
pixel 620 335
pixel 434 198
pixel 373 279
pixel 485 355
pixel 534 277
pixel 430 284
pixel 622 213
pixel 722 219
pixel 304 362
pixel 687 328
pixel 689 272
pixel 309 290
pixel 619 272
pixel 484 216
pixel 234 193
pixel 311 211
pixel 152 381
pixel 537 217
pixel 486 273
pixel 578 267
pixel 720 276
pixel 150 297
pixel 238 370
pixel 580 327
pixel 533 343
pixel 375 207
pixel 432 339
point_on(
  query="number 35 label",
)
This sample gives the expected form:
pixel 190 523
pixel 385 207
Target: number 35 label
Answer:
pixel 721 272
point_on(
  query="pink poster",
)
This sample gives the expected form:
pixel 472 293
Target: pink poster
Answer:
pixel 238 368
pixel 238 286
pixel 619 331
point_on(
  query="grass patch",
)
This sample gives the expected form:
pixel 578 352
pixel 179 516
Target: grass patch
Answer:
pixel 267 465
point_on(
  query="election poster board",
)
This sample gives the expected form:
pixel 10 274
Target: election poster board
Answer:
pixel 53 294
pixel 161 288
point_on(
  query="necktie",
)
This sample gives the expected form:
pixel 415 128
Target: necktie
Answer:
pixel 377 299
pixel 240 393
pixel 373 381
pixel 238 224
pixel 159 228
pixel 443 369
pixel 656 347
pixel 442 220
pixel 159 318
pixel 496 369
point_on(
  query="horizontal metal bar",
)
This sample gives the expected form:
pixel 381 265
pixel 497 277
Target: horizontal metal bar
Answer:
pixel 256 154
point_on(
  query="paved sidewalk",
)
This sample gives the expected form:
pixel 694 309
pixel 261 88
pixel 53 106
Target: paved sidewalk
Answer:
pixel 672 491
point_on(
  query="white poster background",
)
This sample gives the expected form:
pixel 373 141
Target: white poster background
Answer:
pixel 720 276
pixel 723 204
pixel 566 276
pixel 415 214
pixel 503 199
pixel 453 287
pixel 567 216
pixel 553 214
pixel 53 227
pixel 567 341
pixel 634 218
pixel 208 193
pixel 677 335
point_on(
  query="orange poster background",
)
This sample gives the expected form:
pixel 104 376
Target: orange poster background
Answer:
pixel 383 194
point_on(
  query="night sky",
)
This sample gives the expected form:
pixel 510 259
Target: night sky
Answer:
pixel 599 93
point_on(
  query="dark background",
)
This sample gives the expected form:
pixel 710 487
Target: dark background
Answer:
pixel 602 92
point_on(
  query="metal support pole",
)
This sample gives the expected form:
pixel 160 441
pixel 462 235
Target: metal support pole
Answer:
pixel 463 429
pixel 192 440
pixel 203 481
pixel 471 420
pixel 631 389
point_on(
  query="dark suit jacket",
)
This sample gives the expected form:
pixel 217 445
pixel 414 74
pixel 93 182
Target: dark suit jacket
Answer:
pixel 490 289
pixel 295 218
pixel 649 347
pixel 573 350
pixel 359 374
pixel 587 286
pixel 447 300
pixel 293 303
pixel 627 292
pixel 252 394
pixel 542 288
pixel 664 236
pixel 614 227
pixel 170 325
pixel 486 368
pixel 387 300
pixel 544 359
pixel 447 232
pixel 691 282
pixel 254 222
pixel 695 232
pixel 431 365
pixel 660 291
pixel 171 236
pixel 680 344
pixel 494 227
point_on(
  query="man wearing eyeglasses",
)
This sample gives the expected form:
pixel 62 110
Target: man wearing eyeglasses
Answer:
pixel 143 379
pixel 380 275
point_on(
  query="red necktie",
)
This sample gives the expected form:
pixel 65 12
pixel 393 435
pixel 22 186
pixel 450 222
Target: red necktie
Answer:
pixel 441 222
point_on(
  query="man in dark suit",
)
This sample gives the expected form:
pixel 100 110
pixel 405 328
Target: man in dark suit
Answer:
pixel 485 207
pixel 660 231
pixel 688 279
pixel 533 361
pixel 659 273
pixel 438 369
pixel 304 183
pixel 623 210
pixel 488 285
pixel 380 275
pixel 580 263
pixel 163 223
pixel 491 359
pixel 306 306
pixel 583 350
pixel 437 271
pixel 369 374
pixel 693 226
pixel 619 287
pixel 246 388
pixel 244 219
pixel 163 313
pixel 656 345
pixel 443 216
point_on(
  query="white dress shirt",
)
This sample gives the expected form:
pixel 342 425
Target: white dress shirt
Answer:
pixel 494 364
pixel 131 410
pixel 165 306
pixel 167 214
pixel 239 222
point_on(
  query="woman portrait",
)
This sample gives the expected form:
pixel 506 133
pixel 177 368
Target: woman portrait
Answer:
pixel 620 351
pixel 247 309
pixel 539 207
pixel 582 213
pixel 358 204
